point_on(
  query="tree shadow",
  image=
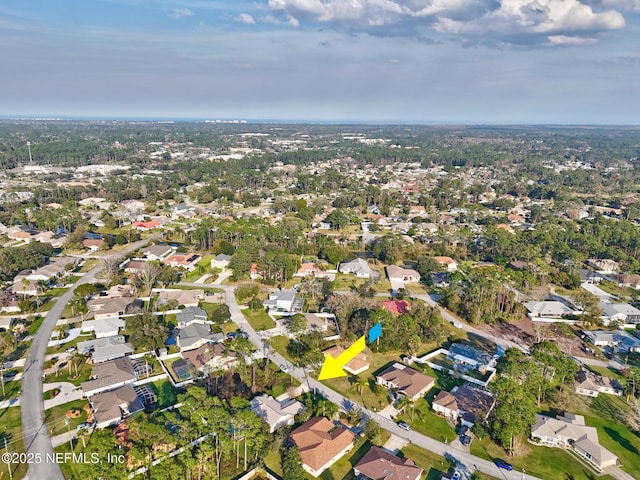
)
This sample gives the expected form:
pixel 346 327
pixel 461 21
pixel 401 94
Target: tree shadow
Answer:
pixel 620 440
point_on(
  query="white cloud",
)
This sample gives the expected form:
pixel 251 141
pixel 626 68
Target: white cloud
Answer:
pixel 628 5
pixel 565 40
pixel 511 21
pixel 181 13
pixel 245 18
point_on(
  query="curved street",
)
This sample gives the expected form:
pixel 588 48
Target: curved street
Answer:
pixel 37 442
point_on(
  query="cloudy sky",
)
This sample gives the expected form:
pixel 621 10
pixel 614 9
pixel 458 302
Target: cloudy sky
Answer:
pixel 442 61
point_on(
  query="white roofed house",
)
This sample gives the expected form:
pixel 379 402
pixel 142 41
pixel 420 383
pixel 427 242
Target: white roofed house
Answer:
pixel 547 309
pixel 284 301
pixel 104 327
pixel 157 252
pixel 359 267
pixel 106 348
pixel 191 315
pixel 605 266
pixel 407 275
pixel 619 312
pixel 276 414
pixel 570 431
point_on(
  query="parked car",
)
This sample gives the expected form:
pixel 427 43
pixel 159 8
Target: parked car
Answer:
pixel 84 425
pixel 456 475
pixel 284 368
pixel 404 426
pixel 502 464
pixel 70 350
pixel 465 440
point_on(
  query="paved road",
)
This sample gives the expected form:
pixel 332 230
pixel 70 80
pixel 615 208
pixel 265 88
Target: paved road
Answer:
pixel 464 460
pixel 34 430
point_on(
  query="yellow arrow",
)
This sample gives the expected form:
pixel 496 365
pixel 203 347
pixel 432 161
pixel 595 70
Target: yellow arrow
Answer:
pixel 332 367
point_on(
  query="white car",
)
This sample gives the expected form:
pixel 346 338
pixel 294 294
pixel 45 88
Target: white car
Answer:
pixel 284 368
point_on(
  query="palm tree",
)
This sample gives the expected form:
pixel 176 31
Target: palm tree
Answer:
pixel 360 383
pixel 407 402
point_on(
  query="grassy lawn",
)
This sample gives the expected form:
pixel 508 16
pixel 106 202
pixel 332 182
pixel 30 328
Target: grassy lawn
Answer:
pixel 344 385
pixel 35 325
pixel 167 394
pixel 88 265
pixel 11 429
pixel 72 343
pixel 344 282
pixel 279 344
pixel 11 390
pixel 258 319
pixel 84 372
pixel 434 465
pixel 55 417
pixel 427 422
pixel 343 468
pixel 543 462
pixel 272 463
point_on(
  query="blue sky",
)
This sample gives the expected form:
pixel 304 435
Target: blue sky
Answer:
pixel 442 61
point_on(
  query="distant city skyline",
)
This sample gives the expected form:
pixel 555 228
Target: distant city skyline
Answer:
pixel 370 61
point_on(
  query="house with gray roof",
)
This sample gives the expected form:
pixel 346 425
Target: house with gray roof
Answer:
pixel 275 413
pixel 221 261
pixel 106 348
pixel 619 312
pixel 569 431
pixel 467 356
pixel 547 309
pixel 620 340
pixel 109 375
pixel 191 315
pixel 284 301
pixel 195 335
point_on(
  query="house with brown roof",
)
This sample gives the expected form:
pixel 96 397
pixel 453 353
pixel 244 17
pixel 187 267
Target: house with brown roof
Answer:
pixel 449 263
pixel 396 307
pixel 211 357
pixel 187 261
pixel 463 404
pixel 378 464
pixel 310 269
pixel 110 408
pixel 407 275
pixel 321 444
pixel 405 381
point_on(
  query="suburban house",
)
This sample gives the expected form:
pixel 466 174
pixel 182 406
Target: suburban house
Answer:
pixel 188 298
pixel 134 266
pixel 570 431
pixel 464 404
pixel 109 375
pixel 449 263
pixel 106 348
pixel 605 266
pixel 187 261
pixel 221 261
pixel 190 315
pixel 104 327
pixel 276 414
pixel 144 226
pixel 379 464
pixel 590 384
pixel 110 408
pixel 465 357
pixel 440 279
pixel 407 275
pixel 396 307
pixel 157 252
pixel 356 366
pixel 211 357
pixel 628 280
pixel 321 444
pixel 310 269
pixel 109 307
pixel 589 276
pixel 619 312
pixel 547 309
pixel 284 301
pixel 319 322
pixel 405 381
pixel 359 267
pixel 195 335
pixel 620 340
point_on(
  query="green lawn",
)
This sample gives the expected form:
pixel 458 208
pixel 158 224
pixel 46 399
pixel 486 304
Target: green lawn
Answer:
pixel 84 372
pixel 425 421
pixel 35 325
pixel 11 429
pixel 11 390
pixel 258 319
pixel 167 394
pixel 55 417
pixel 434 465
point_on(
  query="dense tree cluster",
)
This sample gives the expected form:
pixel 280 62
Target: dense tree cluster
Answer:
pixel 30 256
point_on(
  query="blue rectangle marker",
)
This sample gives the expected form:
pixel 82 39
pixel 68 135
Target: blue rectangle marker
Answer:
pixel 375 332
